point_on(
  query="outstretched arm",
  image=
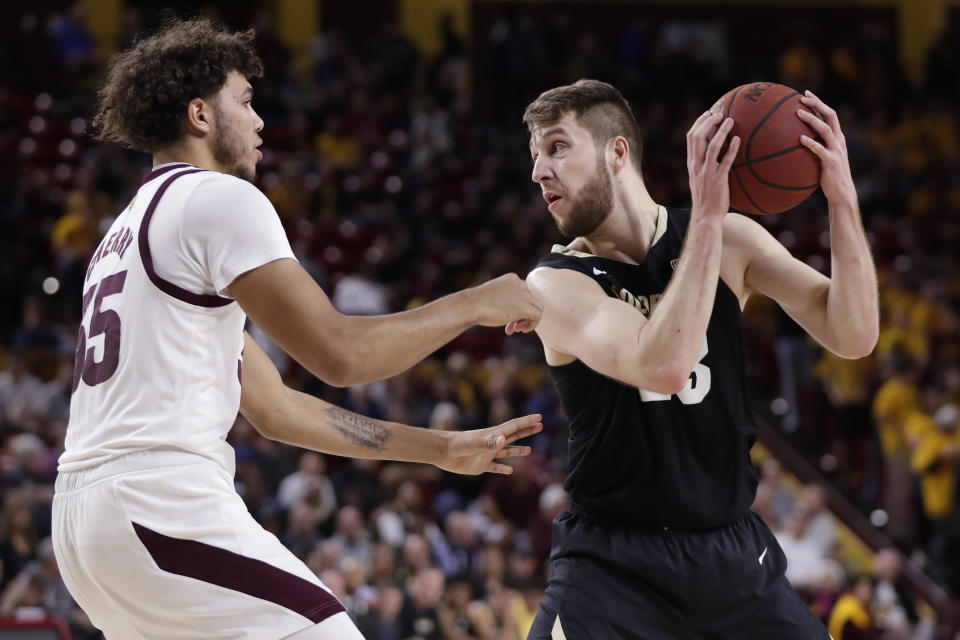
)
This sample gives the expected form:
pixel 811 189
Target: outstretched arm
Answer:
pixel 284 301
pixel 289 416
pixel 841 312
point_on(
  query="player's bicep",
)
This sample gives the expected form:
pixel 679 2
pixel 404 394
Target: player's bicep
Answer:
pixel 580 320
pixel 284 301
pixel 771 270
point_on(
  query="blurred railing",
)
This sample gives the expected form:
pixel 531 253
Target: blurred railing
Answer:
pixel 947 609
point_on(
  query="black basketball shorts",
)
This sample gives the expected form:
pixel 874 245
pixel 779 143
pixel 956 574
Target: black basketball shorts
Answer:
pixel 616 583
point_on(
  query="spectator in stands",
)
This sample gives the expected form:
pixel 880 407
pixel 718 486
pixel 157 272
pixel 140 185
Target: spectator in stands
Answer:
pixel 34 331
pixel 827 588
pixel 300 534
pixel 353 535
pixel 895 609
pixel 382 621
pixel 782 499
pixel 553 501
pixel 847 385
pixel 21 392
pixel 18 535
pixel 822 524
pixel 805 556
pixel 851 618
pixel 309 484
pixel 937 460
pixel 460 551
pixel 462 617
pixel 418 616
pixel 894 401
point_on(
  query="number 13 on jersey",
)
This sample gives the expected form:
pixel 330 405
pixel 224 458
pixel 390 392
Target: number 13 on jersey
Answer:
pixel 696 388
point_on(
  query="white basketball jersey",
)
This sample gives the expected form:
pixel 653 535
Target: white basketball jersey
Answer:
pixel 158 360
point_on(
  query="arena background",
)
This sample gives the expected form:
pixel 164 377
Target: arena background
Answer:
pixel 395 156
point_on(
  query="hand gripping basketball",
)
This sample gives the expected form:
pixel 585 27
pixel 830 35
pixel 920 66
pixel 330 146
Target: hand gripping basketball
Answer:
pixel 773 171
pixel 835 177
pixel 709 189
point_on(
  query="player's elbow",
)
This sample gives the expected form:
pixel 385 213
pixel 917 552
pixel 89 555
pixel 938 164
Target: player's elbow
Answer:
pixel 860 345
pixel 267 420
pixel 859 349
pixel 667 380
pixel 674 381
pixel 336 370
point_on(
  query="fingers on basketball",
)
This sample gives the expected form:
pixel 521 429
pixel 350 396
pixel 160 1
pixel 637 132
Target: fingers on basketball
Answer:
pixel 717 140
pixel 731 154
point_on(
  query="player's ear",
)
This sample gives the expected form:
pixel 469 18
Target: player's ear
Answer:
pixel 618 154
pixel 199 117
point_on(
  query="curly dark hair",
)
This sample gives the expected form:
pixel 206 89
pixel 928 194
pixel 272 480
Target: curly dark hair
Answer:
pixel 598 106
pixel 143 99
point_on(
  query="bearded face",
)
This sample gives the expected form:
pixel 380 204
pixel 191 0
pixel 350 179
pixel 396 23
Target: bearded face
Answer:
pixel 230 150
pixel 590 207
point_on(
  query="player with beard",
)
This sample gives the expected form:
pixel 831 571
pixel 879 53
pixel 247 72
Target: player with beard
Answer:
pixel 150 536
pixel 641 329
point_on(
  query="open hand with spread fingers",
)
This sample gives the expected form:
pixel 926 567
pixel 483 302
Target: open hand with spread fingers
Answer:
pixel 835 178
pixel 478 451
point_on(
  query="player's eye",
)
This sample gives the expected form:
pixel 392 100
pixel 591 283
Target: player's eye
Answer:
pixel 557 146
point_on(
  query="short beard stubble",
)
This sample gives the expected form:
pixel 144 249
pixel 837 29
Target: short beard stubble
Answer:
pixel 590 207
pixel 228 150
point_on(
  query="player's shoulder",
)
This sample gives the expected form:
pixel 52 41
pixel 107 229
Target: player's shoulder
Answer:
pixel 224 190
pixel 556 280
pixel 215 180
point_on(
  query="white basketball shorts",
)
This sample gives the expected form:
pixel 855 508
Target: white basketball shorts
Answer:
pixel 158 544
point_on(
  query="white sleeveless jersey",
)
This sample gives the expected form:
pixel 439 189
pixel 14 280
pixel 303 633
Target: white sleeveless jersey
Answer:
pixel 158 360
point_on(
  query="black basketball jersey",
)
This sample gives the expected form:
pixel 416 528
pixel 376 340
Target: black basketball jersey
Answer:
pixel 647 459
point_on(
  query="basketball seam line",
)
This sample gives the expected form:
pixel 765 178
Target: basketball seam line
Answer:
pixel 732 100
pixel 773 109
pixel 747 193
pixel 768 157
pixel 749 162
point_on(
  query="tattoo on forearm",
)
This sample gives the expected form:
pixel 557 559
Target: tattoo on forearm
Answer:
pixel 358 429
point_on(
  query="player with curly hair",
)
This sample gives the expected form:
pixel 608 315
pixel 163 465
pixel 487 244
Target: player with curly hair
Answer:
pixel 150 535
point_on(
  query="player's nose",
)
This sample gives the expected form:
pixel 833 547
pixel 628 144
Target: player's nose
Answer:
pixel 258 122
pixel 541 170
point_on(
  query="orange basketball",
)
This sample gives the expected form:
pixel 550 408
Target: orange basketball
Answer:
pixel 773 172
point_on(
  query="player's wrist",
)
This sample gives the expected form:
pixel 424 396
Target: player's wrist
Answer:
pixel 440 448
pixel 844 204
pixel 469 303
pixel 707 218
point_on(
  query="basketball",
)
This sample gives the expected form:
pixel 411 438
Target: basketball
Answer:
pixel 772 172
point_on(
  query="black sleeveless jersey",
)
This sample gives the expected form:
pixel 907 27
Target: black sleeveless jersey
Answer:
pixel 646 459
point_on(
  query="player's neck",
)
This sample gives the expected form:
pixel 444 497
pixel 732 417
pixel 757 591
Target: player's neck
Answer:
pixel 191 152
pixel 628 232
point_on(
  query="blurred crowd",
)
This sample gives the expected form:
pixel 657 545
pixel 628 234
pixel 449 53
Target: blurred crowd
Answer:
pixel 400 177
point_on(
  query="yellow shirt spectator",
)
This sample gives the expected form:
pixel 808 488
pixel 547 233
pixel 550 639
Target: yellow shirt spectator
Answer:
pixel 845 381
pixel 936 459
pixel 896 399
pixel 917 425
pixel 848 611
pixel 915 343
